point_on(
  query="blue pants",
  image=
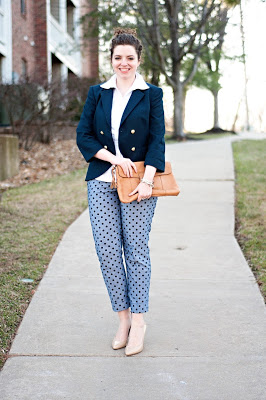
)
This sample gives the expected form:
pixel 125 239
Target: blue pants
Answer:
pixel 117 226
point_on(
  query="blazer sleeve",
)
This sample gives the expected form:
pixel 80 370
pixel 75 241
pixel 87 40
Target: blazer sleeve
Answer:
pixel 155 155
pixel 86 139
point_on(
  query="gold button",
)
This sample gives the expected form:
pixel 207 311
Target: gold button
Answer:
pixel 101 133
pixel 132 130
pixel 105 147
pixel 133 148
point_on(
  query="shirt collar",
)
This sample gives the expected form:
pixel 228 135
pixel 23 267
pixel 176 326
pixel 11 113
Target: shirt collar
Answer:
pixel 138 83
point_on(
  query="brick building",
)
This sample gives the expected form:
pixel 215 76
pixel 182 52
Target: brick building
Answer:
pixel 41 39
pixel 5 41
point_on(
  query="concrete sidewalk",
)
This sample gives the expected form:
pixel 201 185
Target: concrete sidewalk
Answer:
pixel 206 333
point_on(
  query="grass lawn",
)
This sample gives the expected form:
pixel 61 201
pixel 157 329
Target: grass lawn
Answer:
pixel 33 220
pixel 204 136
pixel 198 136
pixel 250 167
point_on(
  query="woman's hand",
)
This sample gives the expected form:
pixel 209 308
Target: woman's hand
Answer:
pixel 126 165
pixel 144 190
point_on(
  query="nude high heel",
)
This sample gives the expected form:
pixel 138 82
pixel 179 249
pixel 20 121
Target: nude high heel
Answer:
pixel 119 344
pixel 131 350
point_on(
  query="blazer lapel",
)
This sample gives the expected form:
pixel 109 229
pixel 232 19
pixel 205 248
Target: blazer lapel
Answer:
pixel 107 99
pixel 135 98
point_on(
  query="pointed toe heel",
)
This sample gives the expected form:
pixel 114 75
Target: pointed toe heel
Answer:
pixel 131 350
pixel 118 344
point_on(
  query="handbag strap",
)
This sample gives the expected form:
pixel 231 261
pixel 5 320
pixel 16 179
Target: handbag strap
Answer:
pixel 114 182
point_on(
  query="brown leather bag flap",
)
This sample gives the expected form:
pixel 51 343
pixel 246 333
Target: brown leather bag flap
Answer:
pixel 141 170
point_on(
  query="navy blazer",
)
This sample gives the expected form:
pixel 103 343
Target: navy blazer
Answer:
pixel 141 132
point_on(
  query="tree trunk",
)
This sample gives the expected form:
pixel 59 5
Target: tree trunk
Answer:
pixel 245 64
pixel 155 79
pixel 178 112
pixel 185 90
pixel 216 110
pixel 236 116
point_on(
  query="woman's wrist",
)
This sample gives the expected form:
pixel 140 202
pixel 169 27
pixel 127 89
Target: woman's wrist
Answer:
pixel 114 160
pixel 106 155
pixel 149 173
pixel 147 182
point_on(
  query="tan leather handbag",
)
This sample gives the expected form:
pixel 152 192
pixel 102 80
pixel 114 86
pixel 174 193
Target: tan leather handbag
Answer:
pixel 164 182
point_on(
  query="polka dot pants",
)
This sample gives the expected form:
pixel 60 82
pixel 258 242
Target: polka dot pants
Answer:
pixel 121 231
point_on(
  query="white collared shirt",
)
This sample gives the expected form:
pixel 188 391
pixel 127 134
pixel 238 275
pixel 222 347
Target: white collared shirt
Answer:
pixel 118 107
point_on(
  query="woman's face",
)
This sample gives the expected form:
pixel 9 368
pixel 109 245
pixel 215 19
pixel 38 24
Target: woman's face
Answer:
pixel 125 61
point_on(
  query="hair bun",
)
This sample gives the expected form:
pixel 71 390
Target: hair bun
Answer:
pixel 126 36
pixel 128 31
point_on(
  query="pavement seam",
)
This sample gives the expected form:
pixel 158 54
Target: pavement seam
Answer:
pixel 94 356
pixel 229 357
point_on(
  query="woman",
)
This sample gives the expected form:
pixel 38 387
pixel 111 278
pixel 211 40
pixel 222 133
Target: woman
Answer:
pixel 122 122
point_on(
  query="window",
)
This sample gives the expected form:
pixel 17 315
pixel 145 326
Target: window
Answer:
pixel 70 18
pixel 2 38
pixel 22 6
pixel 55 9
pixel 56 70
pixel 24 68
pixel 1 67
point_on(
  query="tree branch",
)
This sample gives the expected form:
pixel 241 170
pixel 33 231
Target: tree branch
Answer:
pixel 205 15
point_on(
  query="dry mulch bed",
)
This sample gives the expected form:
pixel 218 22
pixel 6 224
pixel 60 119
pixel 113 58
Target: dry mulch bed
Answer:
pixel 45 161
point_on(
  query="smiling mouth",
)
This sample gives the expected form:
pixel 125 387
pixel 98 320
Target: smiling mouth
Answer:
pixel 124 69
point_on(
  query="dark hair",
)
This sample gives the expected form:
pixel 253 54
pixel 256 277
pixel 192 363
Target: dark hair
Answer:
pixel 123 36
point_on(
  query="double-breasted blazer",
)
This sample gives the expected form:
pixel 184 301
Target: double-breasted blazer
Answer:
pixel 141 131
